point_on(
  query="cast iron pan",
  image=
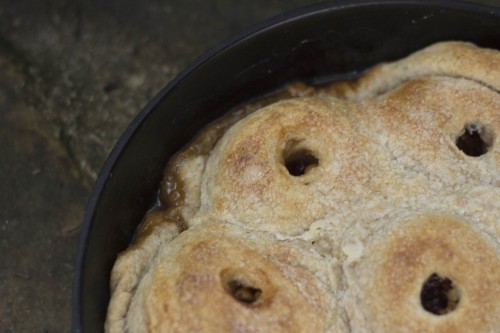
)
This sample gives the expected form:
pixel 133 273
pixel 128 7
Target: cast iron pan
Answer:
pixel 313 44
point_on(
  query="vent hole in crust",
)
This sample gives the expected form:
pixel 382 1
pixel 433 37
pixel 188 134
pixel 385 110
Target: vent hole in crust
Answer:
pixel 298 160
pixel 242 291
pixel 475 140
pixel 439 296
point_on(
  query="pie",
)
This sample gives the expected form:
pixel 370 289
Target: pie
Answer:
pixel 368 205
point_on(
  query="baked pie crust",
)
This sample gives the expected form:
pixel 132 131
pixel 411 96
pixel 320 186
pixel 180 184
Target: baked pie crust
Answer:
pixel 362 206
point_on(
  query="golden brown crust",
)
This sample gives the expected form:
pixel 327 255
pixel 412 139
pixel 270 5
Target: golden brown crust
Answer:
pixel 452 59
pixel 419 123
pixel 128 271
pixel 193 286
pixel 387 280
pixel 246 180
pixel 398 179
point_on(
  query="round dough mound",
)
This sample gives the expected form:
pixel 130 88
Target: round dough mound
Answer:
pixel 385 286
pixel 247 180
pixel 212 279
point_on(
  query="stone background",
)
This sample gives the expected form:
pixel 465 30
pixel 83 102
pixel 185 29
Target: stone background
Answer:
pixel 73 73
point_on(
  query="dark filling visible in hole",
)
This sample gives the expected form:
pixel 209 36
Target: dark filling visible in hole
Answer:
pixel 298 162
pixel 243 292
pixel 474 141
pixel 439 295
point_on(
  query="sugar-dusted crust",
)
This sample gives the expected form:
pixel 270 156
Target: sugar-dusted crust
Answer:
pixel 385 283
pixel 246 181
pixel 187 288
pixel 129 269
pixel 363 149
pixel 451 59
pixel 398 180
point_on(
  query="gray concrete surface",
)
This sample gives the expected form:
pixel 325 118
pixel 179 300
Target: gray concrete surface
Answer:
pixel 72 76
